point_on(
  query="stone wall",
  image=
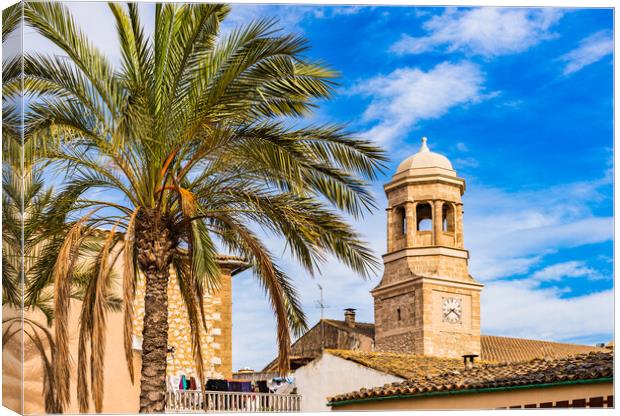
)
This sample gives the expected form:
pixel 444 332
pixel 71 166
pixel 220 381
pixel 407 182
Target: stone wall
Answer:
pixel 404 201
pixel 425 265
pixel 216 342
pixel 408 307
pixel 444 339
pixel 311 344
pixel 326 336
pixel 438 265
pixel 421 328
pixel 404 335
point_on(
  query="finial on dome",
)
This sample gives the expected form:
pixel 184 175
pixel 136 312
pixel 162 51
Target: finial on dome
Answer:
pixel 425 159
pixel 424 147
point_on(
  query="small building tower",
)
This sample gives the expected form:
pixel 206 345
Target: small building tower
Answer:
pixel 426 302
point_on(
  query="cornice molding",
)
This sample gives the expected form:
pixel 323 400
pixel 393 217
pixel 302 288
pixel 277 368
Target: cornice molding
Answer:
pixel 426 251
pixel 404 285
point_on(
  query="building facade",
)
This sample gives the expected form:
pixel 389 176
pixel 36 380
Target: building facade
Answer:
pixel 337 372
pixel 329 334
pixel 216 343
pixel 584 380
pixel 22 377
pixel 427 320
pixel 426 303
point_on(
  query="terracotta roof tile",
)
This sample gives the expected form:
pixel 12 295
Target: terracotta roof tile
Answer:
pixel 494 348
pixel 507 349
pixel 591 366
pixel 400 365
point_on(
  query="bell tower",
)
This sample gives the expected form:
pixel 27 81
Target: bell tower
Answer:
pixel 426 302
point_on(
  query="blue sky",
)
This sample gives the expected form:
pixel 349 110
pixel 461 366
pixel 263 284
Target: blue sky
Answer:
pixel 520 100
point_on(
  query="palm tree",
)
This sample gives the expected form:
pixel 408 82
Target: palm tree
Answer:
pixel 196 139
pixel 22 196
pixel 33 231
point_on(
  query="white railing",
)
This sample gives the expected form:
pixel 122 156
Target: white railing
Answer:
pixel 226 401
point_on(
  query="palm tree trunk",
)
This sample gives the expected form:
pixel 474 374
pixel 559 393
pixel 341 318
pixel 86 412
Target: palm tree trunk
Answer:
pixel 155 244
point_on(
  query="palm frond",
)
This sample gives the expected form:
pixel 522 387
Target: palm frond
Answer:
pixel 11 18
pixel 196 130
pixel 129 291
pixel 54 21
pixel 63 270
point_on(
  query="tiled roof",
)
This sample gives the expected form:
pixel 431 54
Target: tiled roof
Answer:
pixel 591 366
pixel 360 327
pixel 507 349
pixel 498 349
pixel 238 264
pixel 401 365
pixel 302 353
pixel 493 348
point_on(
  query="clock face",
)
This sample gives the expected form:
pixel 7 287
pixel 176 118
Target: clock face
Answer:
pixel 451 310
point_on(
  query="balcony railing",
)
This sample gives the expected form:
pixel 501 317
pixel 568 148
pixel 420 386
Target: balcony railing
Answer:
pixel 224 401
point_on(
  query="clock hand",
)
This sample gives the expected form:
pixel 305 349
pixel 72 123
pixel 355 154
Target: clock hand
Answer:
pixel 453 310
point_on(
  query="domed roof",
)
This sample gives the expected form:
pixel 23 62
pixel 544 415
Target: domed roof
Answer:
pixel 424 159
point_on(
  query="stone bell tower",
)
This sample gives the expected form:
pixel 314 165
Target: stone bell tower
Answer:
pixel 426 303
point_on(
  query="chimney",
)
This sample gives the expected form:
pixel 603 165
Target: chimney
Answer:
pixel 349 317
pixel 468 360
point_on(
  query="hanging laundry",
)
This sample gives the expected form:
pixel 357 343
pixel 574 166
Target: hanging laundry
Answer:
pixel 284 388
pixel 262 386
pixel 274 383
pixel 182 383
pixel 234 386
pixel 172 383
pixel 217 385
pixel 192 383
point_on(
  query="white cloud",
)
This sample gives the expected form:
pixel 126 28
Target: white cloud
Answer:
pixel 508 233
pixel 462 147
pixel 518 308
pixel 512 235
pixel 485 31
pixel 254 331
pixel 590 50
pixel 332 11
pixel 559 271
pixel 408 95
pixel 290 17
pixel 466 162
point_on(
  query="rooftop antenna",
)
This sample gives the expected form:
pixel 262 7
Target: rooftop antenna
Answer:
pixel 321 304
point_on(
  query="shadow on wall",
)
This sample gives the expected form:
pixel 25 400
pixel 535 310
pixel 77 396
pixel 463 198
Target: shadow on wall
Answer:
pixel 120 396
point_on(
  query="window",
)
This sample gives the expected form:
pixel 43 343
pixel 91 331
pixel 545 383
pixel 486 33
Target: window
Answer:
pixel 398 314
pixel 447 217
pixel 424 216
pixel 401 220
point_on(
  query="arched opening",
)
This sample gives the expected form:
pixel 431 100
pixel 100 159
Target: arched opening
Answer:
pixel 398 317
pixel 424 216
pixel 401 221
pixel 447 218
